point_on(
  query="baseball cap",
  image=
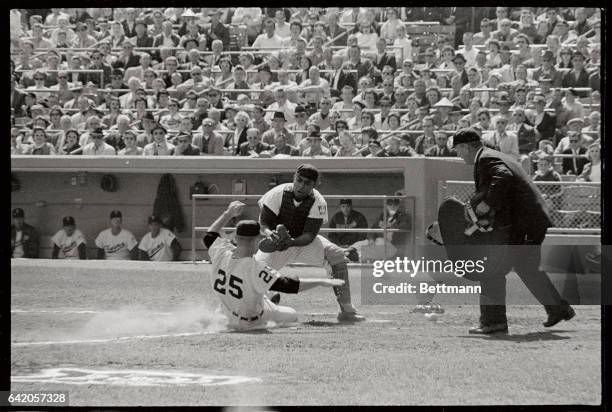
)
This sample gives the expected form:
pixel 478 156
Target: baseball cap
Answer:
pixel 346 202
pixel 299 109
pixel 18 212
pixel 68 221
pixel 154 219
pixel 116 213
pixel 308 171
pixel 465 136
pixel 149 116
pixel 248 228
pixel 279 115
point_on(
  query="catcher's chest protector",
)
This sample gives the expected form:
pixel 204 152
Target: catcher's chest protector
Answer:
pixel 294 217
pixel 479 245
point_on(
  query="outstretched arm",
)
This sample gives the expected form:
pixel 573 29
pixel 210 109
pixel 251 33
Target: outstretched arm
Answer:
pixel 234 209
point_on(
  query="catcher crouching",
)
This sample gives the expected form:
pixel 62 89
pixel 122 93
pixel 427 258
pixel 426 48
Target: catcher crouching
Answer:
pixel 291 216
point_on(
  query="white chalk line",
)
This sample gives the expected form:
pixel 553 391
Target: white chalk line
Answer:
pixel 131 377
pixel 110 340
pixel 73 311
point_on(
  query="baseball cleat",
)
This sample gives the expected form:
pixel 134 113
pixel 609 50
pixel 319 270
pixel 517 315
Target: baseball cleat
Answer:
pixel 350 317
pixel 351 254
pixel 489 329
pixel 275 298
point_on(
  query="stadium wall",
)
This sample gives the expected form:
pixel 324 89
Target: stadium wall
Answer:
pixel 51 187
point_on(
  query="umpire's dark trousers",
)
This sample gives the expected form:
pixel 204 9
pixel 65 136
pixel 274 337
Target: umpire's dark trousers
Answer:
pixel 523 255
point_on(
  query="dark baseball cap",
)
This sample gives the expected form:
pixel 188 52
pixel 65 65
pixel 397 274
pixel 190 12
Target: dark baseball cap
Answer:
pixel 18 212
pixel 308 171
pixel 154 219
pixel 465 136
pixel 346 202
pixel 116 213
pixel 68 221
pixel 248 228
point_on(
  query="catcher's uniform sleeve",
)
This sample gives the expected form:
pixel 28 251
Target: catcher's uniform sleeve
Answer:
pixel 265 278
pixel 272 199
pixel 319 208
pixel 218 247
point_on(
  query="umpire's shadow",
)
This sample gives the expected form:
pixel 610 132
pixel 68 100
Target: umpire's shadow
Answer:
pixel 524 337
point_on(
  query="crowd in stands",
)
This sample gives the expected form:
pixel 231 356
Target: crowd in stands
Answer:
pixel 266 82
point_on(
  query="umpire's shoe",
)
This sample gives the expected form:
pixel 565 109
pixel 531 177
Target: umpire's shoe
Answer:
pixel 561 312
pixel 350 317
pixel 490 329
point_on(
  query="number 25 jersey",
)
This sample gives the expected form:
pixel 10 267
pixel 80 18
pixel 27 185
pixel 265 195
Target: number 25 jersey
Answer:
pixel 240 283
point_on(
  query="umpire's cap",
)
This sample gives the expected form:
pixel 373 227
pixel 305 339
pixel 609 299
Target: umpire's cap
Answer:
pixel 68 221
pixel 308 171
pixel 465 136
pixel 18 212
pixel 248 228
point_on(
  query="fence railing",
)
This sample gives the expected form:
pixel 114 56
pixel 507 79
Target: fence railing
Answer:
pixel 575 207
pixel 383 198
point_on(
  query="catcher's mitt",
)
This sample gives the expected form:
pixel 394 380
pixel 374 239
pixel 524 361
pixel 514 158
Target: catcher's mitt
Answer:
pixel 278 241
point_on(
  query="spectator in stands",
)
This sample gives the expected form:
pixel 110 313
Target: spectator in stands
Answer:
pixel 526 134
pixel 142 38
pixel 40 145
pixel 501 139
pixel 268 39
pixel 24 237
pixel 253 146
pixel 217 30
pixel 575 164
pixel 545 122
pixel 160 146
pixel 18 146
pixel 167 37
pixel 208 141
pixel 484 34
pixel 315 149
pixel 131 148
pixel 546 172
pixel 395 219
pixel 282 147
pixel 98 147
pixel 184 146
pixel 69 242
pixel 278 127
pixel 441 148
pixel 591 171
pixel 347 146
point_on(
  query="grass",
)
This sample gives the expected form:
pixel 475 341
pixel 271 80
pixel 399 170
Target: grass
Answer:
pixel 395 358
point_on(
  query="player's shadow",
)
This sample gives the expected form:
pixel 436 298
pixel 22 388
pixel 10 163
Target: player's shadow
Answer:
pixel 524 337
pixel 322 323
pixel 251 332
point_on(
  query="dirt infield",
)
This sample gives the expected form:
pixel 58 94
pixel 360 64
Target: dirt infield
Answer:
pixel 139 333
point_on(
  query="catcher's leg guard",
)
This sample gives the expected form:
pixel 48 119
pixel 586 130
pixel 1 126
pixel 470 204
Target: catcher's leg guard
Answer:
pixel 343 293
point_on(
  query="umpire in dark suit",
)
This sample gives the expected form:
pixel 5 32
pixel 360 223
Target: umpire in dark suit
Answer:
pixel 504 190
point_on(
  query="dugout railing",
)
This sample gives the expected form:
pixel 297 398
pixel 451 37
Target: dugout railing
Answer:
pixel 575 207
pixel 409 203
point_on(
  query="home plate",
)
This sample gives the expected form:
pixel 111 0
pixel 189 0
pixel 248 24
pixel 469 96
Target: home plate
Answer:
pixel 131 377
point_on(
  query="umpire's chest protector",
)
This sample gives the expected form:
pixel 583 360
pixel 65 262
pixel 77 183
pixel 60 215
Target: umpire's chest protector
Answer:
pixel 292 216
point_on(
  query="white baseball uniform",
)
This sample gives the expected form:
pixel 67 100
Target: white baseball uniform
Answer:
pixel 68 245
pixel 116 247
pixel 313 253
pixel 158 247
pixel 240 284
